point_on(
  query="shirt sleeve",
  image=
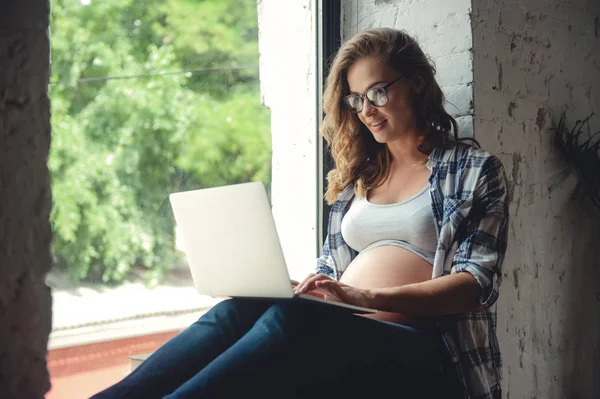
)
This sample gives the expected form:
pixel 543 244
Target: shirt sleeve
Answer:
pixel 324 262
pixel 482 243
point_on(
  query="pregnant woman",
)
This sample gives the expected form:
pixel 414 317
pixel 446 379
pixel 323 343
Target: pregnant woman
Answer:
pixel 417 231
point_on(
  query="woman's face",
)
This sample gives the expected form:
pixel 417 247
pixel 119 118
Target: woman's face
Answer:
pixel 397 117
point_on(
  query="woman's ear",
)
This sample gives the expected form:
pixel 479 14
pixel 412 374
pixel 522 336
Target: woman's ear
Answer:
pixel 419 83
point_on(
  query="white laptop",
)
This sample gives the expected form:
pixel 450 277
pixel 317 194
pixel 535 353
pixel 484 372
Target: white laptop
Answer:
pixel 231 243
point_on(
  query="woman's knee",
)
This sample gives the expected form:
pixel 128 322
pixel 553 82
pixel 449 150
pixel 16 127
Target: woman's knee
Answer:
pixel 238 305
pixel 292 316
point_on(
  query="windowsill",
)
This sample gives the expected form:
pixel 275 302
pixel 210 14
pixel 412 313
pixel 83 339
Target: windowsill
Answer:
pixel 85 313
pixel 115 330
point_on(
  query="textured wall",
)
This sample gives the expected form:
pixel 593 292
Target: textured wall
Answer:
pixel 532 60
pixel 288 87
pixel 24 199
pixel 443 30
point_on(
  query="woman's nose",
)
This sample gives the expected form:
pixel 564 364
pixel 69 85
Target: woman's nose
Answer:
pixel 367 108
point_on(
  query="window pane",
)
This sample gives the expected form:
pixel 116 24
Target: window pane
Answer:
pixel 148 98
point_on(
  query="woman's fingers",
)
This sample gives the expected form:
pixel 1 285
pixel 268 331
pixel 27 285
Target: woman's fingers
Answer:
pixel 332 287
pixel 323 286
pixel 294 283
pixel 302 286
pixel 299 286
pixel 309 283
pixel 330 294
pixel 317 294
pixel 346 293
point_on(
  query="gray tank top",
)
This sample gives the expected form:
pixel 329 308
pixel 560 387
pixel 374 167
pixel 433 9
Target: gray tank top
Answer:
pixel 408 224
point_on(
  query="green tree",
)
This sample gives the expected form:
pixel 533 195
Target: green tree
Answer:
pixel 214 34
pixel 121 145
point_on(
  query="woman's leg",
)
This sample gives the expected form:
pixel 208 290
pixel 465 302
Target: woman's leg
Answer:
pixel 190 351
pixel 309 348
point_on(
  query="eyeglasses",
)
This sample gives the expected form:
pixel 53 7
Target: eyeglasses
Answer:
pixel 377 97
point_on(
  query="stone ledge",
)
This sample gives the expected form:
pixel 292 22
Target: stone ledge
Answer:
pixel 122 329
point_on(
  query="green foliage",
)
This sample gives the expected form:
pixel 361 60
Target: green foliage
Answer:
pixel 581 149
pixel 221 33
pixel 233 148
pixel 120 146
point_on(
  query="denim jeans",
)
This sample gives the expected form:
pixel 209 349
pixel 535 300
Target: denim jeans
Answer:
pixel 250 348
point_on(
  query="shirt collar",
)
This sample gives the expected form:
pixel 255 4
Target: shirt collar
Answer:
pixel 441 154
pixel 437 155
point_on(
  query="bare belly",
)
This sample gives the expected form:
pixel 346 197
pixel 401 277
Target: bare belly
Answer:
pixel 388 266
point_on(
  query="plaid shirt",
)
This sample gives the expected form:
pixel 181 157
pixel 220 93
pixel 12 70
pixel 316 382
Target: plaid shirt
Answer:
pixel 470 206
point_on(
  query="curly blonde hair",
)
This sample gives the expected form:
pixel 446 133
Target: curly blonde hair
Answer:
pixel 358 157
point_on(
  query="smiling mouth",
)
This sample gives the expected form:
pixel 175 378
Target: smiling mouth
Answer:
pixel 378 123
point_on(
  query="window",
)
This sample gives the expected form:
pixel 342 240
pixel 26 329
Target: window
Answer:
pixel 330 41
pixel 148 98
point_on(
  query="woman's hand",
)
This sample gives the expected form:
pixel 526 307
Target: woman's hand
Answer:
pixel 336 291
pixel 316 293
pixel 308 284
pixel 324 286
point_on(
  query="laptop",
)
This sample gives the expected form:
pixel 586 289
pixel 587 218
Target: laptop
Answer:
pixel 230 240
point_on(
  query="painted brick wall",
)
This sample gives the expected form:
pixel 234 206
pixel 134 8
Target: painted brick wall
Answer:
pixel 443 30
pixel 24 199
pixel 533 59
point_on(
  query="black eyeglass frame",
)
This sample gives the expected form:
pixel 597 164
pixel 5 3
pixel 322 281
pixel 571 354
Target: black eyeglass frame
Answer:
pixel 364 95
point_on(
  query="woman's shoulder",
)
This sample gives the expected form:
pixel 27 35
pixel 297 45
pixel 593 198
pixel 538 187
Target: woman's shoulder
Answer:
pixel 468 153
pixel 345 196
pixel 466 167
pixel 470 164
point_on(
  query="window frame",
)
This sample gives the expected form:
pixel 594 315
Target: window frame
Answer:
pixel 329 37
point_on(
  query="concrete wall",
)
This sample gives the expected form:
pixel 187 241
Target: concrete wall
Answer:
pixel 24 199
pixel 443 30
pixel 287 45
pixel 532 60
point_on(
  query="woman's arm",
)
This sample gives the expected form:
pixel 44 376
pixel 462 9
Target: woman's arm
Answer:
pixel 482 244
pixel 455 293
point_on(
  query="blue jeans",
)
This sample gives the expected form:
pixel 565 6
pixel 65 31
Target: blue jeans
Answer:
pixel 250 348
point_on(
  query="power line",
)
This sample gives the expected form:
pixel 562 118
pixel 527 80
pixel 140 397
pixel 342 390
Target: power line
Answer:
pixel 148 75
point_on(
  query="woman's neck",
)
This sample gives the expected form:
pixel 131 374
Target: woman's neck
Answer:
pixel 405 151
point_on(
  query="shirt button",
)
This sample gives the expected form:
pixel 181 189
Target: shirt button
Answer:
pixel 439 222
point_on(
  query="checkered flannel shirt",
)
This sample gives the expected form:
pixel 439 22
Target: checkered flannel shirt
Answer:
pixel 469 199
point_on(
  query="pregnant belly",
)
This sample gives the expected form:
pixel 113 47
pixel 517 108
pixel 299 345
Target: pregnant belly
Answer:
pixel 388 266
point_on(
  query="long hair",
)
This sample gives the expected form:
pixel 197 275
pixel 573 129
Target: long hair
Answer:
pixel 358 157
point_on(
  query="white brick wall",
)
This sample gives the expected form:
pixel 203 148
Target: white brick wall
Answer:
pixel 443 30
